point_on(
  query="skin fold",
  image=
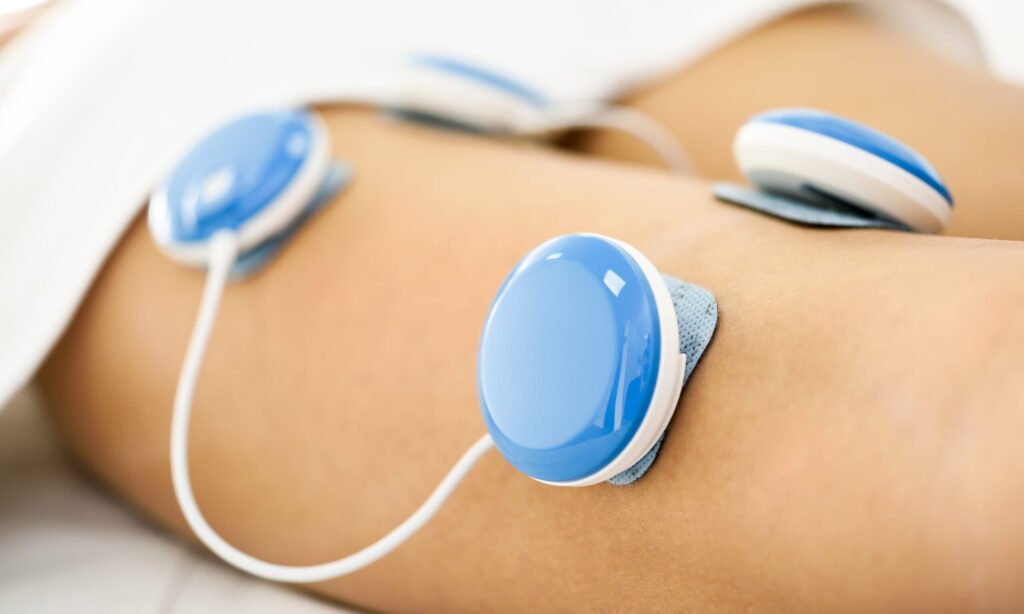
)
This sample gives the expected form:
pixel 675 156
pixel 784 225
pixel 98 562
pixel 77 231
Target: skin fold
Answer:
pixel 849 441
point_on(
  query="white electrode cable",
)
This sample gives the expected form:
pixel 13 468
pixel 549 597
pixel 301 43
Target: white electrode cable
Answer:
pixel 635 123
pixel 223 249
pixel 645 129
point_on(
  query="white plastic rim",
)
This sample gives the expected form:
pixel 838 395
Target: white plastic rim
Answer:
pixel 667 389
pixel 489 108
pixel 460 98
pixel 783 158
pixel 270 220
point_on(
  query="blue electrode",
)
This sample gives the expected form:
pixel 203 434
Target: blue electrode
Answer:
pixel 581 363
pixel 259 176
pixel 819 169
pixel 569 358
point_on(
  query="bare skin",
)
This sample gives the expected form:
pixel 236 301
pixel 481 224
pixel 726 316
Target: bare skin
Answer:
pixel 968 125
pixel 849 442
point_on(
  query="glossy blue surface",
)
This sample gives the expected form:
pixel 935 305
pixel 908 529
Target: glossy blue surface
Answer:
pixel 860 136
pixel 483 75
pixel 253 260
pixel 235 172
pixel 569 358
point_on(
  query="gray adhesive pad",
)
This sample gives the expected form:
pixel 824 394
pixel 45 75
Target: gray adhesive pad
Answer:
pixel 800 212
pixel 697 315
pixel 337 178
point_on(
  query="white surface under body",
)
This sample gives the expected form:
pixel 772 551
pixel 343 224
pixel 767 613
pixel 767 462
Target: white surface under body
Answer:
pixel 100 97
pixel 70 547
pixel 785 159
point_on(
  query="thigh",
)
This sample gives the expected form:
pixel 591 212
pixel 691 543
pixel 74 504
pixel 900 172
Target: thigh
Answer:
pixel 834 58
pixel 340 386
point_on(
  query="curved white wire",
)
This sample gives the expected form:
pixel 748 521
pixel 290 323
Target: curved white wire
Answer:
pixel 223 250
pixel 643 128
pixel 630 121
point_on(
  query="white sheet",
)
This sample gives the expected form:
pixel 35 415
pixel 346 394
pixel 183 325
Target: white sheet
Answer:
pixel 66 546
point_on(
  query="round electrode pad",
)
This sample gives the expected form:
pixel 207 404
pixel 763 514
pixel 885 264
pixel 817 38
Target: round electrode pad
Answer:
pixel 253 176
pixel 814 156
pixel 579 367
pixel 450 92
